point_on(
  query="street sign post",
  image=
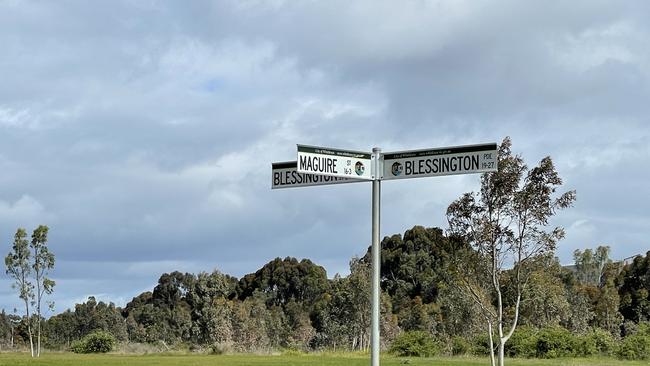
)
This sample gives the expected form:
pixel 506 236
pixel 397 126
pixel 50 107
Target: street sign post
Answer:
pixel 286 175
pixel 319 165
pixel 334 162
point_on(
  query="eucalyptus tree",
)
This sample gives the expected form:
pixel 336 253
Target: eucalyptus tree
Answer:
pixel 43 262
pixel 413 265
pixel 29 261
pixel 634 289
pixel 590 265
pixel 505 222
pixel 545 299
pixel 18 266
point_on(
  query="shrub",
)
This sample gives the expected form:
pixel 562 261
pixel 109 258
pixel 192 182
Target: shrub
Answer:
pixel 523 343
pixel 555 342
pixel 221 349
pixel 635 347
pixel 415 343
pixel 481 345
pixel 644 329
pixel 98 342
pixel 597 342
pixel 459 346
pixel 629 328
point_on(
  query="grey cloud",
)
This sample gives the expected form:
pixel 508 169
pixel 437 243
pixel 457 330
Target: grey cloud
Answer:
pixel 142 133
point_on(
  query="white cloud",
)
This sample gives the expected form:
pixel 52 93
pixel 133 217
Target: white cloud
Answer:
pixel 14 118
pixel 24 211
pixel 594 47
pixel 35 118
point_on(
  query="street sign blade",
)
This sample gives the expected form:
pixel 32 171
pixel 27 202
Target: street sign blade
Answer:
pixel 453 160
pixel 334 162
pixel 286 175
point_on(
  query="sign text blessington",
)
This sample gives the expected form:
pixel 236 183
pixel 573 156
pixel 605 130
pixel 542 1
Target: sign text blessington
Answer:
pixel 334 162
pixel 440 161
pixel 286 175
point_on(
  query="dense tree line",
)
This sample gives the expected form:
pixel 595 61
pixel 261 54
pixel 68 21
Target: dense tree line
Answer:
pixel 291 304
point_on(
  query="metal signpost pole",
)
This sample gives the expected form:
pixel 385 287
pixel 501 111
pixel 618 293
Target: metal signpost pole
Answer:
pixel 376 262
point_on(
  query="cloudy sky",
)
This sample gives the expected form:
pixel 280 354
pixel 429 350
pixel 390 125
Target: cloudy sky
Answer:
pixel 142 132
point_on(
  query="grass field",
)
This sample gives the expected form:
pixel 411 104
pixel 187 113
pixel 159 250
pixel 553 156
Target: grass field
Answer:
pixel 60 359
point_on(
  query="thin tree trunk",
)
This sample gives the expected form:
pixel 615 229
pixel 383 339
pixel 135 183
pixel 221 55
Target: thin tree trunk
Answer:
pixel 491 344
pixel 38 303
pixel 497 287
pixel 502 344
pixel 29 329
pixel 501 341
pixel 38 342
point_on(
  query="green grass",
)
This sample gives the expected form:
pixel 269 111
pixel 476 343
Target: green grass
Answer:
pixel 61 359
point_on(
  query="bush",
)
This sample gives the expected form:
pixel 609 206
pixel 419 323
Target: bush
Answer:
pixel 221 349
pixel 415 343
pixel 555 342
pixel 644 329
pixel 635 347
pixel 597 342
pixel 523 343
pixel 552 342
pixel 459 346
pixel 558 342
pixel 481 345
pixel 98 342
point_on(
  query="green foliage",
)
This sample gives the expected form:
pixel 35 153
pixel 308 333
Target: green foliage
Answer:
pixel 461 315
pixel 580 311
pixel 643 328
pixel 415 343
pixel 545 296
pixel 88 317
pixel 506 223
pixel 284 359
pixel 634 289
pixel 23 266
pixel 98 342
pixel 18 267
pixel 523 343
pixel 606 308
pixel 481 345
pixel 460 346
pixel 413 266
pixel 555 342
pixel 209 311
pixel 418 316
pixel 597 342
pixel 343 316
pixel 635 347
pixel 17 264
pixel 285 279
pixel 590 265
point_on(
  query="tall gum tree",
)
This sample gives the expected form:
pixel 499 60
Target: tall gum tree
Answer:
pixel 17 264
pixel 43 262
pixel 24 266
pixel 506 225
